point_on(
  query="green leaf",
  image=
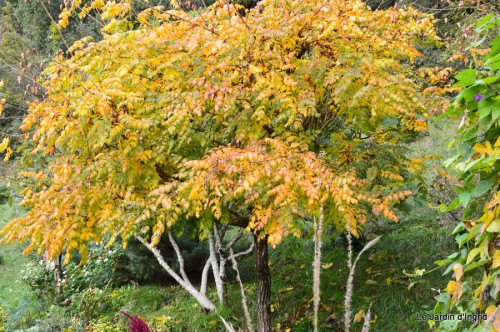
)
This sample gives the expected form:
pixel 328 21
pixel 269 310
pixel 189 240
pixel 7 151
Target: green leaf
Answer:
pixel 452 206
pixel 482 187
pixel 458 228
pixel 468 93
pixel 484 21
pixel 403 207
pixel 472 254
pixel 462 239
pixel 488 80
pixel 486 105
pixel 466 77
pixel 474 265
pixel 496 113
pixel 464 198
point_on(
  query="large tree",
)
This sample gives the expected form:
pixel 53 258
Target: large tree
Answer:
pixel 250 118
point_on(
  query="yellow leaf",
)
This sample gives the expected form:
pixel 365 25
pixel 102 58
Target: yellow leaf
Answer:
pixel 452 287
pixel 360 316
pixel 459 271
pixel 8 154
pixel 486 149
pixel 491 309
pixel 4 144
pixel 327 265
pixel 496 259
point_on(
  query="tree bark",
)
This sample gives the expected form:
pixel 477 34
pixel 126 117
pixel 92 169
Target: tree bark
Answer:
pixel 264 285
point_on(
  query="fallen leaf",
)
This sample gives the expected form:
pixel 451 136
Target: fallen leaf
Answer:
pixel 360 316
pixel 326 266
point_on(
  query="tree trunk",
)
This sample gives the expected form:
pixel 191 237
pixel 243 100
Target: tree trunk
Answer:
pixel 264 285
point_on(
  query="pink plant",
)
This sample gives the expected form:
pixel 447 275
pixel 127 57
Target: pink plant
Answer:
pixel 137 324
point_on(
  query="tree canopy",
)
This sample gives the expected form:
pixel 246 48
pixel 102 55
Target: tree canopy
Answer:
pixel 251 119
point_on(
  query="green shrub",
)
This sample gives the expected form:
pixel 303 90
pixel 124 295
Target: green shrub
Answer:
pixel 105 324
pixel 473 287
pixel 26 314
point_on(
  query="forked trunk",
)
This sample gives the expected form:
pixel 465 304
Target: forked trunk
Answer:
pixel 264 285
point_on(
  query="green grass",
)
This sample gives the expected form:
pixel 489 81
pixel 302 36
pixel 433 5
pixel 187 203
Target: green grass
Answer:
pixel 11 288
pixel 379 279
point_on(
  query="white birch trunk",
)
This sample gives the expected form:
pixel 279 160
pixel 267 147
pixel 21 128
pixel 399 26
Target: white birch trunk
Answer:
pixel 215 267
pixel 242 291
pixel 201 298
pixel 350 278
pixel 204 277
pixel 318 234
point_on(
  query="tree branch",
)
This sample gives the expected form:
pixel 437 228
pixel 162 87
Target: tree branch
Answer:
pixel 179 257
pixel 242 253
pixel 235 239
pixel 242 290
pixel 201 298
pixel 204 277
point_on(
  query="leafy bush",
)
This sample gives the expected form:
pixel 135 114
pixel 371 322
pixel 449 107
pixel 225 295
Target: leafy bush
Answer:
pixel 105 324
pixel 57 320
pixel 104 267
pixel 35 276
pixel 27 313
pixel 475 283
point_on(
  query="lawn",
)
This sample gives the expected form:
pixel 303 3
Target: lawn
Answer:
pixel 11 287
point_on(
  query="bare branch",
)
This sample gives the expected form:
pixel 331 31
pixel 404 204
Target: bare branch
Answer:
pixel 366 324
pixel 201 298
pixel 318 234
pixel 242 291
pixel 350 282
pixel 55 23
pixel 218 241
pixel 228 326
pixel 235 239
pixel 365 248
pixel 204 277
pixel 350 279
pixel 179 257
pixel 242 253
